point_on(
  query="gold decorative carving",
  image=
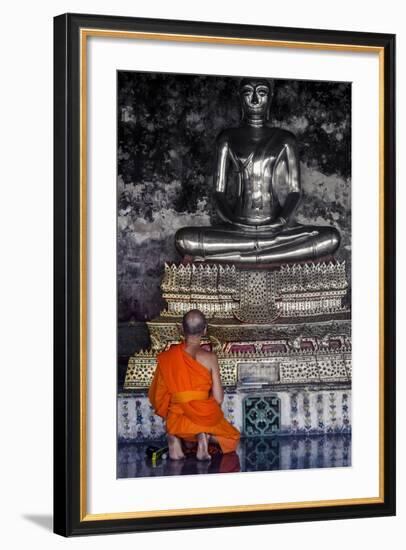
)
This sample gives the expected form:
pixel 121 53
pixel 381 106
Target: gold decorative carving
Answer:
pixel 140 371
pixel 210 288
pixel 281 317
pixel 299 371
pixel 293 367
pixel 258 296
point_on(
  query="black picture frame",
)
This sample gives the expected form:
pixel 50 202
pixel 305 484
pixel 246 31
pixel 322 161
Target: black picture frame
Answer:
pixel 69 519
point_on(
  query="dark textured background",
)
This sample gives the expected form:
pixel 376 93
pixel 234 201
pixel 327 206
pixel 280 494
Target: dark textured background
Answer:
pixel 167 126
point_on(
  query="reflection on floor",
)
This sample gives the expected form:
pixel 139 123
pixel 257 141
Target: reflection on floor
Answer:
pixel 253 454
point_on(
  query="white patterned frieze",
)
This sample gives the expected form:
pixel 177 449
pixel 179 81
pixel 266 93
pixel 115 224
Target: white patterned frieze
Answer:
pixel 298 411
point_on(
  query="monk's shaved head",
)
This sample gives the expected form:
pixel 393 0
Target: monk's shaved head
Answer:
pixel 194 323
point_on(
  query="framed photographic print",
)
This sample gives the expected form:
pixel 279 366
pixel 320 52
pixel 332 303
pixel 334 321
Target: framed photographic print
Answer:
pixel 224 274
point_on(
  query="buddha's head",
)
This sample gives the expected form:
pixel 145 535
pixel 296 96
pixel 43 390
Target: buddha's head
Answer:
pixel 256 97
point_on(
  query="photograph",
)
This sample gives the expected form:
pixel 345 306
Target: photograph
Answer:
pixel 224 267
pixel 201 225
pixel 233 274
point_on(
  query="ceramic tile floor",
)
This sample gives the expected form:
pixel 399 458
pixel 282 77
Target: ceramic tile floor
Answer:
pixel 253 454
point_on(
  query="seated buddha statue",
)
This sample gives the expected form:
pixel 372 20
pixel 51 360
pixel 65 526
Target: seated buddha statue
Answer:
pixel 257 190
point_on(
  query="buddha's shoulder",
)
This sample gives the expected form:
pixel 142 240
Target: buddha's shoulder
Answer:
pixel 282 134
pixel 228 134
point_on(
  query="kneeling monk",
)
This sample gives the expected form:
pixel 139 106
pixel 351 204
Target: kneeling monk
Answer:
pixel 187 391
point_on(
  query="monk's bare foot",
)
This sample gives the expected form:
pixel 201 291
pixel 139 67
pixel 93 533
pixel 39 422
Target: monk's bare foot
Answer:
pixel 203 447
pixel 175 447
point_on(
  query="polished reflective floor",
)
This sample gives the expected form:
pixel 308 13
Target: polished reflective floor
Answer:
pixel 253 455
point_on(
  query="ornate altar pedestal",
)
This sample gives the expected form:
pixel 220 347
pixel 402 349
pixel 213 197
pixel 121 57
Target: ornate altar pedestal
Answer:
pixel 282 337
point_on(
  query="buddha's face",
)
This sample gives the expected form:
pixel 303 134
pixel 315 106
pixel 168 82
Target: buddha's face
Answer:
pixel 255 97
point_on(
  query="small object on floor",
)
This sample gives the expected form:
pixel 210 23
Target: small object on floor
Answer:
pixel 155 453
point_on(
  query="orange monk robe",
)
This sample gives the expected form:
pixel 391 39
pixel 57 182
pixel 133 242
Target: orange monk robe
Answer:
pixel 180 392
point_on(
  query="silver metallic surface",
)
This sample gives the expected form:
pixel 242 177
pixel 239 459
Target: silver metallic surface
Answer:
pixel 258 166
